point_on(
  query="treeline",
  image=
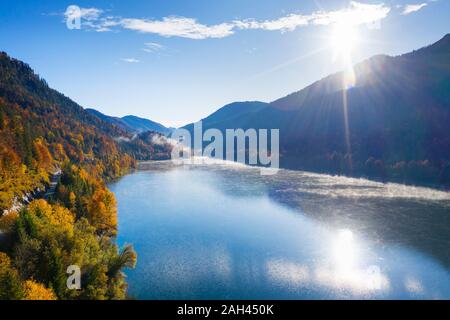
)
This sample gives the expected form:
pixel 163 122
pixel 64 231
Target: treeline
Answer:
pixel 45 240
pixel 422 172
pixel 41 132
pixel 148 145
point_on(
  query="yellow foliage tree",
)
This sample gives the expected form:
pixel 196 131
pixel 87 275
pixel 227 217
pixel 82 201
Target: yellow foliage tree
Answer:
pixel 56 215
pixel 103 212
pixel 40 208
pixel 10 284
pixel 59 152
pixel 37 291
pixel 45 159
pixel 5 261
pixel 7 221
pixel 72 199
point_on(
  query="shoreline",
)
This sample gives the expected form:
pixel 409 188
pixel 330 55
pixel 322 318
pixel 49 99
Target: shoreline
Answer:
pixel 437 188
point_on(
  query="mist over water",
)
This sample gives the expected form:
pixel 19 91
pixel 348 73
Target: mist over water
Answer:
pixel 225 231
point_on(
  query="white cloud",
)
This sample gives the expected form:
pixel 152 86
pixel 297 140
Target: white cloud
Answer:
pixel 410 8
pixel 356 14
pixel 152 47
pixel 287 23
pixel 105 24
pixel 130 60
pixel 179 27
pixel 173 26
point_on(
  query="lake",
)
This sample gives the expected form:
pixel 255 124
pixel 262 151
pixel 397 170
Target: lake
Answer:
pixel 226 232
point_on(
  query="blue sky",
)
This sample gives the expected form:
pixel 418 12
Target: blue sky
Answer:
pixel 178 61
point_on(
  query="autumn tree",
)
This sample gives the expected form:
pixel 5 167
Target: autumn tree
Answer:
pixel 10 286
pixel 51 239
pixel 103 212
pixel 37 291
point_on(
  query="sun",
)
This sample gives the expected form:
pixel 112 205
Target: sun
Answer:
pixel 344 42
pixel 344 39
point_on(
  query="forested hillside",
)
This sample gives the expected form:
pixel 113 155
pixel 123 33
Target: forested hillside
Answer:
pixel 397 113
pixel 41 129
pixel 41 132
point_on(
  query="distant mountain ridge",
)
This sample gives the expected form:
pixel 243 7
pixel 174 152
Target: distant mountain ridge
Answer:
pixel 230 113
pixel 398 114
pixel 132 123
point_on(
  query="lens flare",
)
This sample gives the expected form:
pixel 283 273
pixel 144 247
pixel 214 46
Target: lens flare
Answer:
pixel 344 39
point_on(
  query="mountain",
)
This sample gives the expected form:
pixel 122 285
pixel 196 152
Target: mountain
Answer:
pixel 112 120
pixel 41 129
pixel 132 123
pixel 397 111
pixel 141 125
pixel 231 113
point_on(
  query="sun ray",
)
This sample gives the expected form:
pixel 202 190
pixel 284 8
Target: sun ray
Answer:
pixel 344 40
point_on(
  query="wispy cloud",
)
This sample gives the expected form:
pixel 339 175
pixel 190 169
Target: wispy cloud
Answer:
pixel 410 8
pixel 130 60
pixel 174 26
pixel 356 14
pixel 178 27
pixel 152 47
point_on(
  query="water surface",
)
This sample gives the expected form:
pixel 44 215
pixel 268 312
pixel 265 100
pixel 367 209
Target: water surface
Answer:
pixel 226 232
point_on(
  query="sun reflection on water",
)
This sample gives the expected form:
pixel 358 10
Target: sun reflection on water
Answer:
pixel 348 270
pixel 344 251
pixel 342 269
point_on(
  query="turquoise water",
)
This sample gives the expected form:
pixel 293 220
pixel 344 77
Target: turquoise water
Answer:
pixel 226 232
